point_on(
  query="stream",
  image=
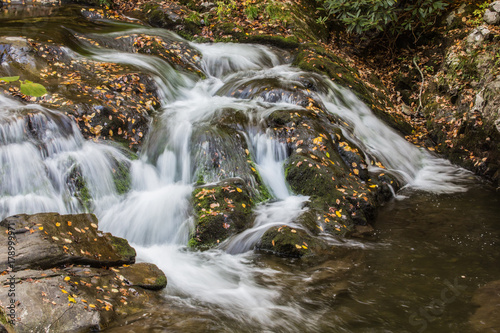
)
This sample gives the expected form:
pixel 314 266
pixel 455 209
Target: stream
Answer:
pixel 440 230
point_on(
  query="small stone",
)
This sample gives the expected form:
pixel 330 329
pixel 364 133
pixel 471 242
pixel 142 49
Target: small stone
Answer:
pixel 478 35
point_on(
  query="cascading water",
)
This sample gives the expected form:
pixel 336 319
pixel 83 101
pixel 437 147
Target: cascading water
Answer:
pixel 155 213
pixel 42 156
pixel 269 157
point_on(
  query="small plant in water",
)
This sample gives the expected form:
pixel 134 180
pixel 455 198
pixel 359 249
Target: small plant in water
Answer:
pixel 27 87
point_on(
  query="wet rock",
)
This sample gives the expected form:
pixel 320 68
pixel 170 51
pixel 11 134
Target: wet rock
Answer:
pixel 175 52
pixel 50 288
pixel 16 54
pixel 286 241
pixel 50 240
pixel 163 14
pixel 107 100
pixel 76 299
pixel 222 153
pixel 144 275
pixel 329 168
pixel 221 210
pixel 314 58
pixel 487 317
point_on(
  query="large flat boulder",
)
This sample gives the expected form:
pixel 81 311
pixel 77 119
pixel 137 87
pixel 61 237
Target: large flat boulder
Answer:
pixel 50 240
pixel 59 273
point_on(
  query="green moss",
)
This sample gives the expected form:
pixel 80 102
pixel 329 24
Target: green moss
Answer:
pixel 161 281
pixel 285 241
pixel 3 317
pixel 192 243
pixel 278 41
pixel 122 247
pixel 220 210
pixel 263 191
pixel 122 178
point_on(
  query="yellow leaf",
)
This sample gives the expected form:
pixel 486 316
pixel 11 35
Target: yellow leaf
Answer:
pixel 71 299
pixel 338 214
pixel 67 278
pixel 41 228
pixel 298 246
pixel 58 224
pixel 64 291
pixel 304 247
pixel 92 306
pixel 317 140
pixel 239 189
pixel 293 230
pixel 243 205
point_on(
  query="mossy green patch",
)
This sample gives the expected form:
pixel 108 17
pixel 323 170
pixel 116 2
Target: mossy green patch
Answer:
pixel 220 211
pixel 122 247
pixel 286 241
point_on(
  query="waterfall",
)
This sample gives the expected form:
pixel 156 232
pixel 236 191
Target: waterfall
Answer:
pixel 42 153
pixel 269 158
pixel 43 156
pixel 419 169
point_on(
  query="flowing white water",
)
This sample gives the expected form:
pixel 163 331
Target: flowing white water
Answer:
pixel 39 154
pixel 155 214
pixel 418 167
pixel 269 158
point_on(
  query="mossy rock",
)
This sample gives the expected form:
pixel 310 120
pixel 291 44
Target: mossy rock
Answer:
pixel 287 43
pixel 220 210
pixel 176 52
pixel 50 240
pixel 144 275
pixel 79 188
pixel 122 177
pixel 326 166
pixel 285 241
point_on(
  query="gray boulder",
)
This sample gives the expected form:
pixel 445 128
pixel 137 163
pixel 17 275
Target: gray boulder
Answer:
pixel 50 240
pixel 492 14
pixel 61 274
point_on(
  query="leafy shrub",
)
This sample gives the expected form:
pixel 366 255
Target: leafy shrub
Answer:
pixel 362 16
